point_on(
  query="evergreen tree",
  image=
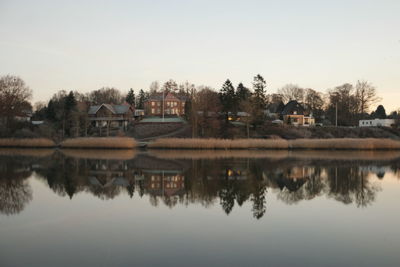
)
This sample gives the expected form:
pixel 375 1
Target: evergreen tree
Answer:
pixel 228 97
pixel 142 99
pixel 380 112
pixel 259 100
pixel 242 92
pixel 259 86
pixel 51 111
pixel 130 97
pixel 69 118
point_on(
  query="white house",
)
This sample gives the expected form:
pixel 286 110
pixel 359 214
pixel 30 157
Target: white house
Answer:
pixel 376 123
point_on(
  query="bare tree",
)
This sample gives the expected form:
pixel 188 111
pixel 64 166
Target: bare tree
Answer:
pixel 365 95
pixel 292 92
pixel 14 97
pixel 154 87
pixel 107 95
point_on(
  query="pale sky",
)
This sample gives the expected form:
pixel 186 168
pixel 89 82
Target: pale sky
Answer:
pixel 85 45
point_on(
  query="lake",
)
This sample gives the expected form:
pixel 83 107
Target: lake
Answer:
pixel 199 208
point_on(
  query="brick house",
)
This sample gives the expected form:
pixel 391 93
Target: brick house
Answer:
pixel 171 103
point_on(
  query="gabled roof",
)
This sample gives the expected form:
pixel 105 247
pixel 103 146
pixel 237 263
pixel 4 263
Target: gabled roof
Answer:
pixel 292 106
pixel 115 109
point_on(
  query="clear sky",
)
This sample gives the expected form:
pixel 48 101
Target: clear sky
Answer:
pixel 85 45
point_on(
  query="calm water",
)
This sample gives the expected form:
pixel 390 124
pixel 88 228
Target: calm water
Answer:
pixel 183 208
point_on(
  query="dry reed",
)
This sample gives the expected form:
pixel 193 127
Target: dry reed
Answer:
pixel 328 144
pixel 26 142
pixel 188 143
pixel 346 144
pixel 100 142
pixel 120 154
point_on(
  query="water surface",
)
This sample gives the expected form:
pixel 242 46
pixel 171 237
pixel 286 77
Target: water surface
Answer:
pixel 197 208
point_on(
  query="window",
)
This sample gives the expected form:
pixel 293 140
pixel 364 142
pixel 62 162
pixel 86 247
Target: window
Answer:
pixel 153 104
pixel 153 110
pixel 175 104
pixel 158 104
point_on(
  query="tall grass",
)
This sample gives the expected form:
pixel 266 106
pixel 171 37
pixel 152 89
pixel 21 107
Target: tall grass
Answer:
pixel 346 144
pixel 120 154
pixel 333 144
pixel 26 142
pixel 212 143
pixel 100 142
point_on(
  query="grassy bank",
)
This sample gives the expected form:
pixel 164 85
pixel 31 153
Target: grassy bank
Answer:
pixel 27 142
pixel 100 142
pixel 334 144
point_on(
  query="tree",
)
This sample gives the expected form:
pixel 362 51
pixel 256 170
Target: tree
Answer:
pixel 292 92
pixel 365 95
pixel 228 98
pixel 106 95
pixel 259 99
pixel 130 97
pixel 242 92
pixel 313 102
pixel 141 100
pixel 70 119
pixel 380 113
pixel 209 105
pixel 170 86
pixel 14 98
pixel 343 98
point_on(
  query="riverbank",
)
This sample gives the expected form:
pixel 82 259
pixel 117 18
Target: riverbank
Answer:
pixel 306 144
pixel 100 143
pixel 27 142
pixel 208 144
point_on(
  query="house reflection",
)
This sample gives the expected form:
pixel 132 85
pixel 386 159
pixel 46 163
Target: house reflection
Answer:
pixel 227 181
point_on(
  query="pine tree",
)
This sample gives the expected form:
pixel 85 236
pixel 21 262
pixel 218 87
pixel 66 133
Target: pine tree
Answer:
pixel 69 113
pixel 259 100
pixel 142 99
pixel 380 113
pixel 242 92
pixel 228 97
pixel 259 86
pixel 130 97
pixel 51 111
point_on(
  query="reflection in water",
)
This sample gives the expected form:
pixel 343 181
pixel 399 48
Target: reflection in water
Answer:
pixel 183 180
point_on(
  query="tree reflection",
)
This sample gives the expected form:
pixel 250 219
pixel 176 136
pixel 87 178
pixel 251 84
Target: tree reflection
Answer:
pixel 228 182
pixel 15 191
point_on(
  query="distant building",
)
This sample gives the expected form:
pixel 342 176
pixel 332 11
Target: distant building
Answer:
pixel 107 115
pixel 274 110
pixel 377 123
pixel 171 103
pixel 294 114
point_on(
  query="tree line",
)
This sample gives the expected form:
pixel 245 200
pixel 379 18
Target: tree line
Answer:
pixel 207 110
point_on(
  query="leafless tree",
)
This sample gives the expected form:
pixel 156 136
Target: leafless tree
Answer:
pixel 292 92
pixel 365 95
pixel 108 95
pixel 14 97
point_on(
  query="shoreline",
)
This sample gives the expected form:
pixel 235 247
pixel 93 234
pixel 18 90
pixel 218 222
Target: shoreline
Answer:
pixel 118 143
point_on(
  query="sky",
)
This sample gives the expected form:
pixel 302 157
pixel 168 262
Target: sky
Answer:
pixel 86 45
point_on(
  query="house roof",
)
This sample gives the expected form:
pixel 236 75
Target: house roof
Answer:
pixel 168 96
pixel 115 109
pixel 292 106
